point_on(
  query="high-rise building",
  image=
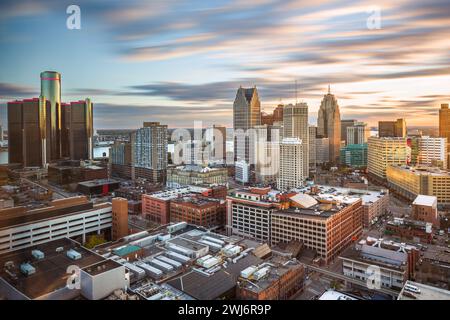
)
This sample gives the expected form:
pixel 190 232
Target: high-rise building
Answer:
pixel 51 90
pixel 242 171
pixel 392 128
pixel 119 218
pixel 383 152
pixel 219 138
pixel 322 150
pixel 27 131
pixel 44 129
pixel 444 127
pixel 329 124
pixel 121 159
pixel 291 164
pixel 266 153
pixel 344 125
pixel 358 133
pixel 246 115
pixel 150 152
pixel 295 122
pixel 278 114
pixel 354 155
pixel 81 130
pixel 312 146
pixel 432 152
pixel 409 182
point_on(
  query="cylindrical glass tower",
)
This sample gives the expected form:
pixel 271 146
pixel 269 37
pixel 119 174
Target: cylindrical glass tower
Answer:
pixel 51 90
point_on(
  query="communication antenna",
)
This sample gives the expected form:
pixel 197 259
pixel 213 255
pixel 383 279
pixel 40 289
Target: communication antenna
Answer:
pixel 296 100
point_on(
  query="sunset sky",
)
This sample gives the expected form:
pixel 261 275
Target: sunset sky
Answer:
pixel 180 61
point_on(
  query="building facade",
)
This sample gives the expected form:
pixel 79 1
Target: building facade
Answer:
pixel 329 124
pixel 354 155
pixel 444 127
pixel 383 152
pixel 392 128
pixel 357 134
pixel 150 151
pixel 291 173
pixel 295 125
pixel 409 182
pixel 246 115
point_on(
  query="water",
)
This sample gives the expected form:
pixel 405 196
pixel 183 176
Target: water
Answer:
pixel 98 153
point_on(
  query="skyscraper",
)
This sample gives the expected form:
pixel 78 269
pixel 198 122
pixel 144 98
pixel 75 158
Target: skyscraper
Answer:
pixel 44 129
pixel 384 152
pixel 329 124
pixel 51 91
pixel 344 125
pixel 246 115
pixel 395 128
pixel 26 130
pixel 266 144
pixel 295 122
pixel 312 146
pixel 357 134
pixel 291 164
pixel 151 152
pixel 444 127
pixel 81 130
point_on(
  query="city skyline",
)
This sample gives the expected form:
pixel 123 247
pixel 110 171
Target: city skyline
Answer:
pixel 136 58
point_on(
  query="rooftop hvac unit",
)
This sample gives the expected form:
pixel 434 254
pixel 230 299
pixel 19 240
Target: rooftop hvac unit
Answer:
pixel 159 264
pixel 74 255
pixel 151 271
pixel 201 260
pixel 174 263
pixel 176 227
pixel 27 269
pixel 143 242
pixel 163 237
pixel 247 272
pixel 261 273
pixel 215 240
pixel 60 249
pixel 211 244
pixel 178 257
pixel 210 263
pixel 37 254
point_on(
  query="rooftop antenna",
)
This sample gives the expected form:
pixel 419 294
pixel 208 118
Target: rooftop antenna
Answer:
pixel 296 100
pixel 329 90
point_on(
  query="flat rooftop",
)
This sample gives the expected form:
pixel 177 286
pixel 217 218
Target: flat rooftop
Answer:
pixel 21 217
pixel 426 292
pixel 423 200
pixel 51 271
pixel 98 182
pixel 203 287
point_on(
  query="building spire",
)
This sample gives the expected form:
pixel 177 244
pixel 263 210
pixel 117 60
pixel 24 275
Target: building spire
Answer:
pixel 329 90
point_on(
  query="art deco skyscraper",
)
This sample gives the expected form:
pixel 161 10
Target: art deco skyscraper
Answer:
pixel 51 91
pixel 246 115
pixel 295 122
pixel 444 127
pixel 329 124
